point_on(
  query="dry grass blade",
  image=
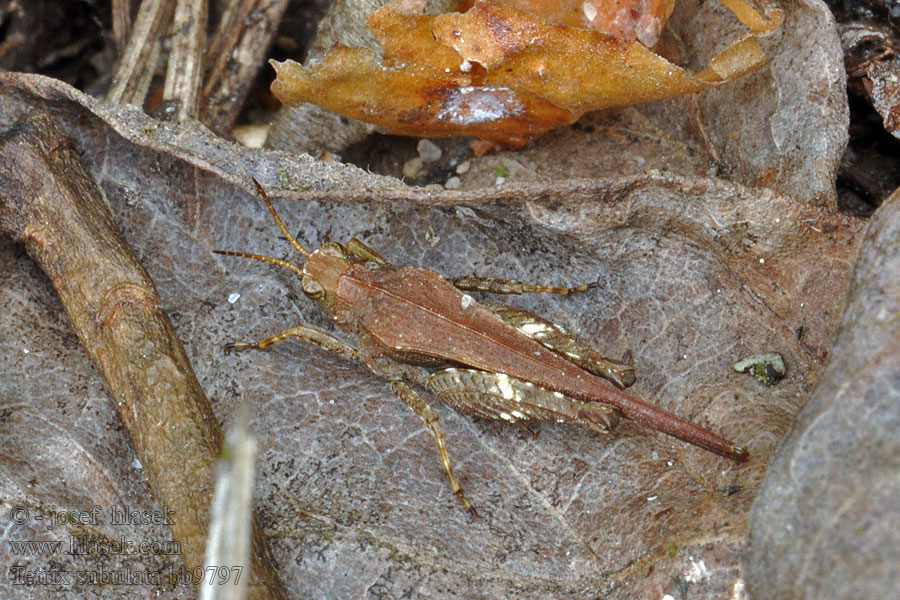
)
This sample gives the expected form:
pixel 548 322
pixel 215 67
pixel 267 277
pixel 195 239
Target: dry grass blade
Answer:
pixel 136 65
pixel 185 67
pixel 226 560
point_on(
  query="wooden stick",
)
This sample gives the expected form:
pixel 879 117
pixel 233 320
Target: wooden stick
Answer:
pixel 49 203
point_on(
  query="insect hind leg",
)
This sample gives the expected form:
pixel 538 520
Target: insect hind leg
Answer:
pixel 557 339
pixel 501 397
pixel 419 406
pixel 491 285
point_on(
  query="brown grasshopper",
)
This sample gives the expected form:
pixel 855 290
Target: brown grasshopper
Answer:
pixel 495 361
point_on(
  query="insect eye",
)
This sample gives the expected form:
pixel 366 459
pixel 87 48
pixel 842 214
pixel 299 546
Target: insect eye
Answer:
pixel 312 288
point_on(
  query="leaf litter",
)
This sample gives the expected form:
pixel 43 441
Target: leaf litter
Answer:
pixel 350 491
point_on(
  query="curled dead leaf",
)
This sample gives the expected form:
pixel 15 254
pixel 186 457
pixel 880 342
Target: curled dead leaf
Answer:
pixel 508 71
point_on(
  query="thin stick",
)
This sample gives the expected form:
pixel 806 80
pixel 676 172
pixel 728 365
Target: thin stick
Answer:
pixel 185 67
pixel 50 204
pixel 136 64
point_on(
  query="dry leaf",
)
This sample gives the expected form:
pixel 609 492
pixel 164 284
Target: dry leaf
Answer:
pixel 826 523
pixel 502 74
pixel 623 19
pixel 351 492
pixel 788 134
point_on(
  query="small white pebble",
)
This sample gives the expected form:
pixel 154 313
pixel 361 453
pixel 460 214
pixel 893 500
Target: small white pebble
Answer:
pixel 651 498
pixel 252 136
pixel 465 66
pixel 25 350
pixel 463 167
pixel 499 180
pixel 136 464
pixel 762 261
pixel 453 183
pixel 428 151
pixel 412 167
pixel 233 297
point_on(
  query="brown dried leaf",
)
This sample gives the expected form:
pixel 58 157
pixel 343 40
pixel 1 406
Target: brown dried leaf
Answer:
pixel 515 67
pixel 873 68
pixel 519 52
pixel 788 135
pixel 350 489
pixel 406 38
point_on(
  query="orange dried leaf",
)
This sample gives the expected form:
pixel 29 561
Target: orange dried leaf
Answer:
pixel 401 101
pixel 406 39
pixel 524 53
pixel 502 74
pixel 624 19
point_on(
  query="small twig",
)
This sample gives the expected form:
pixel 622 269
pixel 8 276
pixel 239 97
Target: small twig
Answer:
pixel 121 23
pixel 181 91
pixel 211 83
pixel 229 29
pixel 137 63
pixel 50 204
pixel 234 57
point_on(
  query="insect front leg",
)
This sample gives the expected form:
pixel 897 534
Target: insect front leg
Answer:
pixel 501 397
pixel 471 283
pixel 358 249
pixel 301 332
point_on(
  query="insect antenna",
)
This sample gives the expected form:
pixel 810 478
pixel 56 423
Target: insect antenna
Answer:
pixel 303 251
pixel 268 259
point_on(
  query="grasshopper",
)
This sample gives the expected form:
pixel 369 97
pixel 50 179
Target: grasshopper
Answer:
pixel 485 359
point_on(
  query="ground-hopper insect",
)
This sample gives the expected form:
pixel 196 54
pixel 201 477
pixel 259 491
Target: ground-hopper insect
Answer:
pixel 414 327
